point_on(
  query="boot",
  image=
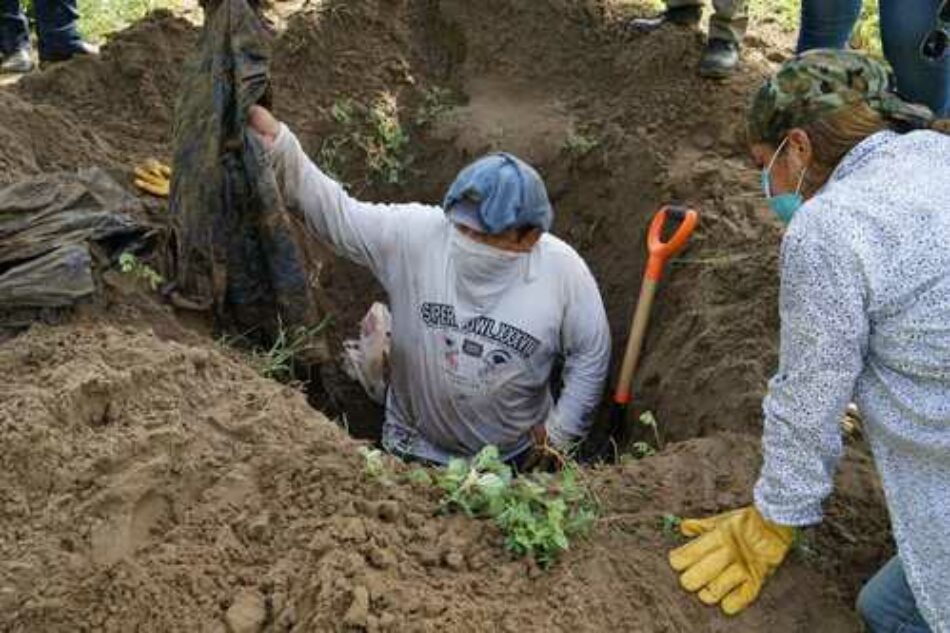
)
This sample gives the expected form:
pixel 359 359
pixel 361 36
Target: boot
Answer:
pixel 17 62
pixel 81 49
pixel 719 59
pixel 681 16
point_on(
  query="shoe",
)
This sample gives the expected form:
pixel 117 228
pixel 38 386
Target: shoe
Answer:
pixel 680 16
pixel 719 60
pixel 17 62
pixel 81 49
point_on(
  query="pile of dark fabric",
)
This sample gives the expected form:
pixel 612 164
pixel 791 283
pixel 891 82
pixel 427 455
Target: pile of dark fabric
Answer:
pixel 51 227
pixel 235 244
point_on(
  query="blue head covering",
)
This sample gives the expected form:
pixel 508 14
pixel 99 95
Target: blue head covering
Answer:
pixel 499 192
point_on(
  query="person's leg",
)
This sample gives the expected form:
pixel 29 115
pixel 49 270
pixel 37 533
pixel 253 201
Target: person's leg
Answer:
pixel 729 21
pixel 726 30
pixel 904 25
pixel 827 23
pixel 887 605
pixel 56 29
pixel 681 12
pixel 14 28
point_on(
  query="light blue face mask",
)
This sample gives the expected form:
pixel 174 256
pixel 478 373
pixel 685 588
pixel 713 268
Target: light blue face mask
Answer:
pixel 784 205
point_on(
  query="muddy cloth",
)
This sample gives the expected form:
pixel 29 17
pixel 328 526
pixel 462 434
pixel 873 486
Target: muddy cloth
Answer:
pixel 46 226
pixel 236 244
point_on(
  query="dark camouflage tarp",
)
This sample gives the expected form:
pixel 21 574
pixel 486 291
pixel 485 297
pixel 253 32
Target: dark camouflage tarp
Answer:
pixel 47 224
pixel 236 243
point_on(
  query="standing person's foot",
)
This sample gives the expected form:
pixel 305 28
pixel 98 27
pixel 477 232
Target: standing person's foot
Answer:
pixel 17 62
pixel 80 49
pixel 681 16
pixel 719 59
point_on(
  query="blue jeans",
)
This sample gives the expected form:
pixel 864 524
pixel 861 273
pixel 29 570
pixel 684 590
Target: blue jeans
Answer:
pixel 55 25
pixel 904 25
pixel 887 605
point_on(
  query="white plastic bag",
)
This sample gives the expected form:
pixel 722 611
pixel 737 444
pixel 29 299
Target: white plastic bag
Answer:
pixel 367 360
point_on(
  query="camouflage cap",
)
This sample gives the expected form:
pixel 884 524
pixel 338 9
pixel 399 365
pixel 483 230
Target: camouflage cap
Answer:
pixel 820 82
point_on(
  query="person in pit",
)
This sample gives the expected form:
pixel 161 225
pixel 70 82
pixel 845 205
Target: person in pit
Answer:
pixel 484 300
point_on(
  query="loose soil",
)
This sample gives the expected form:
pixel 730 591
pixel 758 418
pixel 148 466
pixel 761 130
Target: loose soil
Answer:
pixel 150 480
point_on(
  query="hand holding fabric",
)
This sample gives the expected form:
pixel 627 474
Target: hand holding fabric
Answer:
pixel 264 124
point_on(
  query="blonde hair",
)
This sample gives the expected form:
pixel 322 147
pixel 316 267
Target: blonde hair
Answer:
pixel 837 134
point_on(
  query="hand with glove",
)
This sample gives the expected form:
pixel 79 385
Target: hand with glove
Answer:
pixel 732 557
pixel 153 177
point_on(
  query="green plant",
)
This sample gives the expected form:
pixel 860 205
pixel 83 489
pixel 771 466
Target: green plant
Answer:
pixel 277 362
pixel 579 145
pixel 373 134
pixel 866 35
pixel 419 476
pixel 385 147
pixel 129 264
pixel 537 512
pixel 649 420
pixel 374 465
pixel 98 18
pixel 330 157
pixel 642 449
pixel 804 546
pixel 342 111
pixel 436 101
pixel 671 525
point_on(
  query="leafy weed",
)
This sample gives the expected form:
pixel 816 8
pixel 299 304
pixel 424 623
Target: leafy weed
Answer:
pixel 129 264
pixel 537 512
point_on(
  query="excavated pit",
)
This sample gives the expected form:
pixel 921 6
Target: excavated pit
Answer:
pixel 151 480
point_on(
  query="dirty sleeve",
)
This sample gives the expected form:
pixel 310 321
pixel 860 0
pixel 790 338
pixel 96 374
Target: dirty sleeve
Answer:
pixel 824 338
pixel 365 233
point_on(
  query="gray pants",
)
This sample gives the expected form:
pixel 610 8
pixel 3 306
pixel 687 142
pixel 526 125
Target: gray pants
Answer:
pixel 729 22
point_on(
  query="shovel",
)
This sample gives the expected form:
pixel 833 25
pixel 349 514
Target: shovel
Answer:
pixel 659 253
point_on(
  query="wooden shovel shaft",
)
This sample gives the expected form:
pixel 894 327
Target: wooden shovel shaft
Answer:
pixel 638 328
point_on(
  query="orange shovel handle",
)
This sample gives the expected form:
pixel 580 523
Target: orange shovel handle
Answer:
pixel 659 251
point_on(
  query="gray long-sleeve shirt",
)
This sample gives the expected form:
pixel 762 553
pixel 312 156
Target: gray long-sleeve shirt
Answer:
pixel 472 352
pixel 865 309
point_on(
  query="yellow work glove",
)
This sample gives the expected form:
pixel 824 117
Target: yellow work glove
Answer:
pixel 731 559
pixel 153 177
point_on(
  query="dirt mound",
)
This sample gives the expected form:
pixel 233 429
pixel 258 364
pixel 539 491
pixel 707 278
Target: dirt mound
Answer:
pixel 150 485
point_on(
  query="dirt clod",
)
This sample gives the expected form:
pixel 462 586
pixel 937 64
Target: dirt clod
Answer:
pixel 247 614
pixel 357 615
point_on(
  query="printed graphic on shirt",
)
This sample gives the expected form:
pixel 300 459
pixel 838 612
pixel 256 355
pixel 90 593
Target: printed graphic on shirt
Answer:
pixel 473 348
pixel 442 316
pixel 478 355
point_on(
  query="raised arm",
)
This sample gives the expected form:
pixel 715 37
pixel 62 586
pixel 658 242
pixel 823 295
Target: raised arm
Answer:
pixel 368 234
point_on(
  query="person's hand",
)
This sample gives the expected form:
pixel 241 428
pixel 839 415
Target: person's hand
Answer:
pixel 732 558
pixel 153 177
pixel 542 456
pixel 263 123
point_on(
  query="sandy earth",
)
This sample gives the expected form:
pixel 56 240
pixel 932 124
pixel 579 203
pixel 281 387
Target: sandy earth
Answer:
pixel 150 480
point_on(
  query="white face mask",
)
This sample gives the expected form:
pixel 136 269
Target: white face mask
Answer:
pixel 482 273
